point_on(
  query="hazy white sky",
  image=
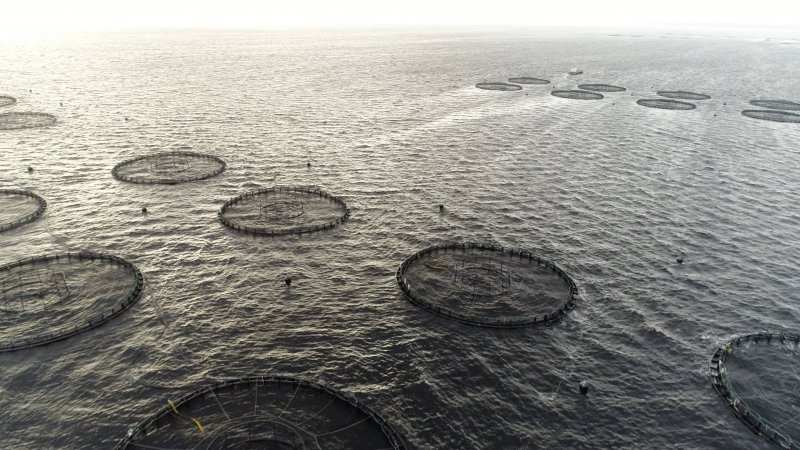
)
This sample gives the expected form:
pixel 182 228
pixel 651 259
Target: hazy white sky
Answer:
pixel 43 15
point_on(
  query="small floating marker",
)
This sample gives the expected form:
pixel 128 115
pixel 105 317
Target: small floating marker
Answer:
pixel 308 164
pixel 126 119
pixel 680 260
pixel 583 387
pixel 30 169
pixel 288 281
pixel 441 208
pixel 61 103
pixel 144 210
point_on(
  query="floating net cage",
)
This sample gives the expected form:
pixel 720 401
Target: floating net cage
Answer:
pixel 169 168
pixel 599 87
pixel 785 105
pixel 50 298
pixel 577 95
pixel 487 285
pixel 284 210
pixel 773 116
pixel 18 120
pixel 264 413
pixel 661 103
pixel 498 86
pixel 5 100
pixel 19 207
pixel 528 80
pixel 683 95
pixel 758 375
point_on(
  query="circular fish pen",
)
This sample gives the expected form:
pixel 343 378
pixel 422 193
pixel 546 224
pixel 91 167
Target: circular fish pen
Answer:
pixel 599 87
pixel 683 95
pixel 280 211
pixel 661 103
pixel 785 105
pixel 169 168
pixel 771 115
pixel 19 207
pixel 498 86
pixel 20 120
pixel 756 375
pixel 487 285
pixel 528 80
pixel 6 100
pixel 576 94
pixel 50 298
pixel 264 412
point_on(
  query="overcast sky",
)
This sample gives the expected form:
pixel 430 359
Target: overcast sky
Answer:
pixel 55 15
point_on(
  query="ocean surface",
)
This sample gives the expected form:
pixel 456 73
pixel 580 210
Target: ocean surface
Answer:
pixel 391 122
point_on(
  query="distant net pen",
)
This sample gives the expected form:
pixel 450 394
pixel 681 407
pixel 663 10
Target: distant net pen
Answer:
pixel 6 100
pixel 487 285
pixel 169 168
pixel 498 86
pixel 576 94
pixel 268 412
pixel 772 115
pixel 661 103
pixel 599 87
pixel 683 95
pixel 758 376
pixel 528 80
pixel 22 120
pixel 18 207
pixel 785 105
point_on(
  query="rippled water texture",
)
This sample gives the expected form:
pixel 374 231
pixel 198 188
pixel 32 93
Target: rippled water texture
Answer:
pixel 394 125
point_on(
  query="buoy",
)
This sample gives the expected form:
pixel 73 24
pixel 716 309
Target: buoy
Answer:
pixel 61 103
pixel 441 207
pixel 144 210
pixel 126 119
pixel 308 165
pixel 288 281
pixel 680 260
pixel 584 387
pixel 30 169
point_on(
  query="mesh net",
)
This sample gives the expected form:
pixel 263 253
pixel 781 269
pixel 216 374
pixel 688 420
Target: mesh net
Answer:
pixel 774 116
pixel 169 168
pixel 577 95
pixel 284 210
pixel 528 80
pixel 50 298
pixel 17 120
pixel 776 104
pixel 498 86
pixel 601 87
pixel 5 100
pixel 758 375
pixel 487 285
pixel 264 413
pixel 661 103
pixel 19 207
pixel 683 95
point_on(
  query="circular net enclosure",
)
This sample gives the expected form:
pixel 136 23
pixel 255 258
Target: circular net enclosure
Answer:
pixel 577 95
pixel 683 95
pixel 661 103
pixel 5 100
pixel 758 375
pixel 19 207
pixel 776 104
pixel 773 116
pixel 263 413
pixel 168 168
pixel 487 285
pixel 283 210
pixel 528 80
pixel 498 86
pixel 50 298
pixel 601 88
pixel 18 120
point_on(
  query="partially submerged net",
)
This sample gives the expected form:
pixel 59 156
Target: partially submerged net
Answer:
pixel 19 207
pixel 5 100
pixel 661 103
pixel 785 105
pixel 683 95
pixel 599 87
pixel 283 210
pixel 169 168
pixel 498 86
pixel 49 298
pixel 576 94
pixel 18 120
pixel 774 116
pixel 528 80
pixel 265 413
pixel 487 285
pixel 758 375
